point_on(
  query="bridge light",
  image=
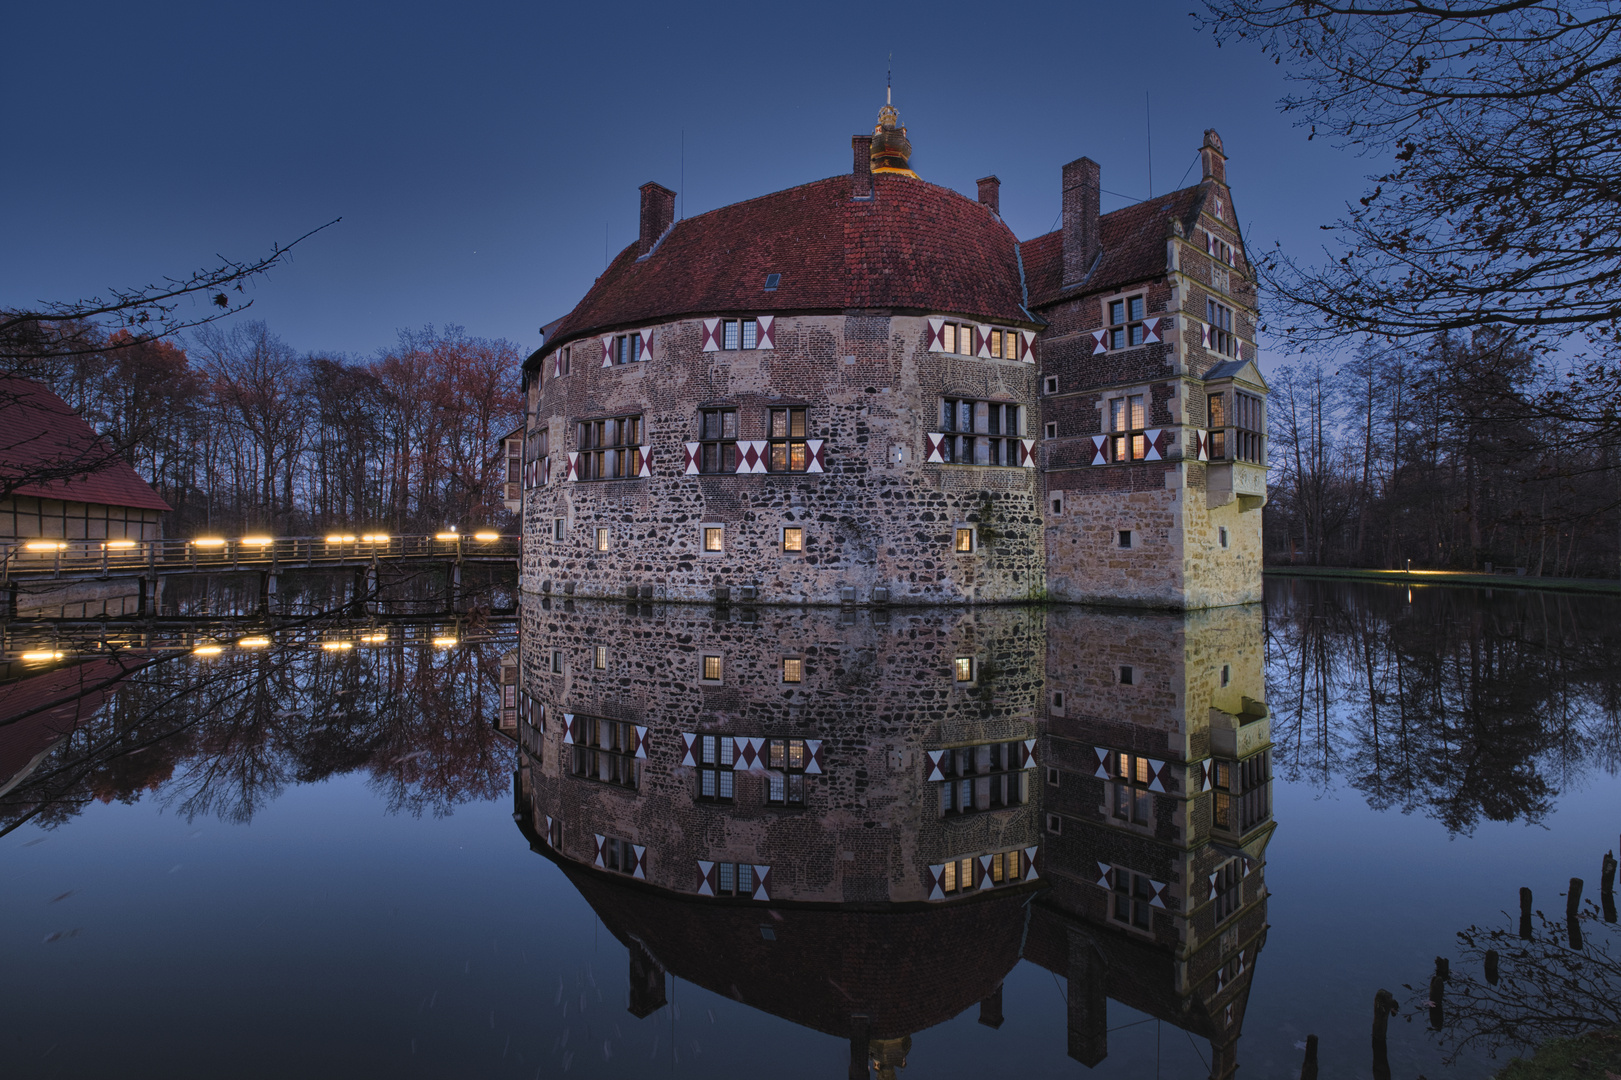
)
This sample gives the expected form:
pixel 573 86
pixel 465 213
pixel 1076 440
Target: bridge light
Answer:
pixel 375 538
pixel 446 536
pixel 120 545
pixel 444 642
pixel 374 639
pixel 486 537
pixel 37 657
pixel 207 650
pixel 209 541
pixel 252 642
pixel 259 541
pixel 337 646
pixel 44 545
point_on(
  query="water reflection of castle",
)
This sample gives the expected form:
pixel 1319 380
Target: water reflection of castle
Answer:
pixel 861 822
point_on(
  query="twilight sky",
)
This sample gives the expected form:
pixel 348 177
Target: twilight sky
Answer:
pixel 481 154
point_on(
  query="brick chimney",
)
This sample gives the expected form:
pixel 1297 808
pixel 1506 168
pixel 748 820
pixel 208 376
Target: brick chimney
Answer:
pixel 1212 157
pixel 658 211
pixel 1082 188
pixel 861 175
pixel 989 187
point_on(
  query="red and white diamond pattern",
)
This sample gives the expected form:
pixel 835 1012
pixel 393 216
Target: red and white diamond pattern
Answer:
pixel 762 882
pixel 608 351
pixel 768 332
pixel 706 878
pixel 1029 353
pixel 817 456
pixel 1032 859
pixel 639 870
pixel 1098 443
pixel 641 742
pixel 813 748
pixel 1159 773
pixel 1102 756
pixel 1099 337
pixel 985 881
pixel 1152 437
pixel 1204 331
pixel 748 754
pixel 936 335
pixel 600 840
pixel 751 456
pixel 1027 453
pixel 1151 332
pixel 571 470
pixel 689 745
pixel 647 462
pixel 1162 893
pixel 557 364
pixel 983 332
pixel 934 447
pixel 934 772
pixel 1027 753
pixel 1221 972
pixel 937 881
pixel 707 874
pixel 549 827
pixel 647 345
pixel 570 729
pixel 1105 876
pixel 711 335
pixel 691 467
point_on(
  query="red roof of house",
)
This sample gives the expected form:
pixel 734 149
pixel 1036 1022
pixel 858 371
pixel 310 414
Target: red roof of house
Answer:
pixel 1133 241
pixel 39 431
pixel 913 246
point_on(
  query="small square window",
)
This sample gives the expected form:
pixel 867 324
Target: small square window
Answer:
pixel 793 669
pixel 1050 429
pixel 711 668
pixel 965 540
pixel 1127 675
pixel 964 667
pixel 599 657
pixel 1226 674
pixel 557 528
pixel 602 538
pixel 793 538
pixel 714 539
pixel 1052 384
pixel 1058 699
pixel 1125 538
pixel 1052 776
pixel 1055 824
pixel 1221 534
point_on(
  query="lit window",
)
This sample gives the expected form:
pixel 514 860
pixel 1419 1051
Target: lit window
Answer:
pixel 1242 793
pixel 715 779
pixel 965 540
pixel 1127 419
pixel 1236 434
pixel 712 669
pixel 714 539
pixel 602 539
pixel 793 538
pixel 980 432
pixel 599 657
pixel 785 778
pixel 1126 322
pixel 964 667
pixel 1132 799
pixel 788 452
pixel 717 438
pixel 609 449
pixel 793 669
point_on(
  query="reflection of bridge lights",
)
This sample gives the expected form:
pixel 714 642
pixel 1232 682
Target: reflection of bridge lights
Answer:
pixel 207 650
pixel 337 646
pixel 44 545
pixel 37 657
pixel 447 536
pixel 259 541
pixel 374 639
pixel 252 642
pixel 119 545
pixel 486 537
pixel 375 538
pixel 209 541
pixel 444 642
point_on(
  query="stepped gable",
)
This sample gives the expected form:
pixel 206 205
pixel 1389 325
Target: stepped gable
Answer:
pixel 41 431
pixel 906 968
pixel 1133 242
pixel 914 246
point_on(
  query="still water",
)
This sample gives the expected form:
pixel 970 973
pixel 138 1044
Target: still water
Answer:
pixel 610 840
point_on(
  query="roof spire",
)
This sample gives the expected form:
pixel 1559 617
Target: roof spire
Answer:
pixel 891 150
pixel 889 86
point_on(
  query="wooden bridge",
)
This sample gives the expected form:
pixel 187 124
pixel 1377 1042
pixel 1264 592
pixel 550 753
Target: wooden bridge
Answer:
pixel 52 559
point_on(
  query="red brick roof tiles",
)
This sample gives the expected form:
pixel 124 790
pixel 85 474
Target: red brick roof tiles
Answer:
pixel 39 431
pixel 914 246
pixel 1133 240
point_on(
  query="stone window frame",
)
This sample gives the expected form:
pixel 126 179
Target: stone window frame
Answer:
pixel 786 786
pixel 1055 503
pixel 1056 704
pixel 594 450
pixel 704 551
pixel 1128 675
pixel 1049 384
pixel 1006 784
pixel 599 658
pixel 1128 442
pixel 1055 822
pixel 1049 430
pixel 717 679
pixel 1127 798
pixel 1135 892
pixel 557 662
pixel 1131 324
pixel 604 535
pixel 957 529
pixel 559 529
pixel 1011 414
pixel 799 672
pixel 725 445
pixel 1221 535
pixel 782 541
pixel 712 753
pixel 957 669
pixel 605 742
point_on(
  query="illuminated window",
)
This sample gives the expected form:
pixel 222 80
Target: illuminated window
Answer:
pixel 1127 419
pixel 793 669
pixel 609 449
pixel 793 538
pixel 980 432
pixel 785 776
pixel 602 539
pixel 1238 433
pixel 1130 779
pixel 965 539
pixel 605 751
pixel 715 779
pixel 1243 793
pixel 1125 328
pixel 788 451
pixel 711 668
pixel 964 666
pixel 714 539
pixel 599 657
pixel 717 439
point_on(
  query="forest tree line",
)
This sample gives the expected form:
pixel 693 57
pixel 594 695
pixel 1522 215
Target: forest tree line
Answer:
pixel 1458 452
pixel 239 431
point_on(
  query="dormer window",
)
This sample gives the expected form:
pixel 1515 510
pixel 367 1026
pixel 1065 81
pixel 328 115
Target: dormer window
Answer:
pixel 1219 249
pixel 1220 319
pixel 1126 322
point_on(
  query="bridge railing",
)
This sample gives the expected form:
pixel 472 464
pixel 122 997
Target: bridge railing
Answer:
pixel 54 557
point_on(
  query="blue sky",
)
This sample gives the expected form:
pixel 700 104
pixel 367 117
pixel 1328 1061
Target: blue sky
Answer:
pixel 481 154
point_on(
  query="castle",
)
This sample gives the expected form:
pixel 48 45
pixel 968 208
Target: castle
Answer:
pixel 867 390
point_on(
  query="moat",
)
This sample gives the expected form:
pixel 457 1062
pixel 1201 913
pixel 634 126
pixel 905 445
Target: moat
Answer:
pixel 613 839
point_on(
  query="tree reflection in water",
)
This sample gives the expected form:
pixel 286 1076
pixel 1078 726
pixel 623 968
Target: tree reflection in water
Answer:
pixel 1460 704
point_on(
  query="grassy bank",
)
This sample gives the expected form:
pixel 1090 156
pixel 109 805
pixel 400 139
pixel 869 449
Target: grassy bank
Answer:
pixel 1592 1057
pixel 1451 577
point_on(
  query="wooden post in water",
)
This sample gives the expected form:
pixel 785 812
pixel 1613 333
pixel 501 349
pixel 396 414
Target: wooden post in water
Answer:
pixel 1525 913
pixel 1573 909
pixel 1606 887
pixel 1438 990
pixel 859 1028
pixel 1308 1068
pixel 1384 1007
pixel 1491 966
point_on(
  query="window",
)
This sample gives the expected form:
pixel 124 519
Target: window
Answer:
pixel 557 528
pixel 793 669
pixel 734 879
pixel 599 657
pixel 739 334
pixel 1221 535
pixel 717 436
pixel 984 777
pixel 958 338
pixel 1229 889
pixel 1222 338
pixel 1219 249
pixel 785 775
pixel 1052 384
pixel 964 668
pixel 627 349
pixel 1058 504
pixel 715 778
pixel 771 281
pixel 1058 699
pixel 1132 801
pixel 1133 899
pixel 1226 674
pixel 1126 322
pixel 1127 675
pixel 1050 431
pixel 1054 777
pixel 1243 793
pixel 1124 537
pixel 788 451
pixel 1055 823
pixel 711 668
pixel 793 539
pixel 965 875
pixel 714 537
pixel 980 432
pixel 1127 419
pixel 605 751
pixel 609 449
pixel 1236 431
pixel 560 360
pixel 618 855
pixel 602 538
pixel 964 542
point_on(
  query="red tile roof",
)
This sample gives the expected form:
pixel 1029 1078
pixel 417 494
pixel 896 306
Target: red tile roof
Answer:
pixel 38 431
pixel 915 246
pixel 1133 240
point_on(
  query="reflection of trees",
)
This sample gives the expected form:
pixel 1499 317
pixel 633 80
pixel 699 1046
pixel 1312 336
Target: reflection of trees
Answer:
pixel 223 736
pixel 1452 703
